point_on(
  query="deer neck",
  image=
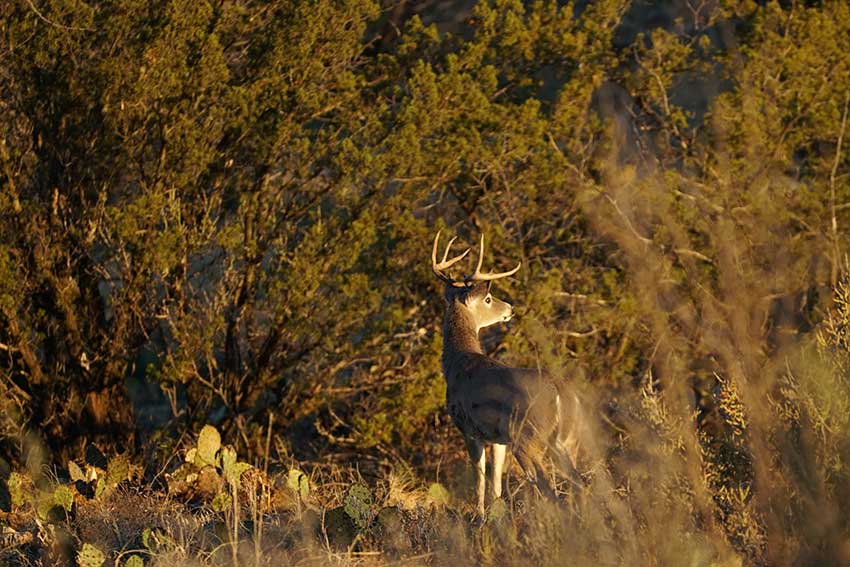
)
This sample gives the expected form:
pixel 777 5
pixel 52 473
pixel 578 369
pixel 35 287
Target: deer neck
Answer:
pixel 460 337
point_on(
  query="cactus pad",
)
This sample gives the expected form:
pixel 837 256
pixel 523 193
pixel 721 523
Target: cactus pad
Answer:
pixel 90 556
pixel 358 505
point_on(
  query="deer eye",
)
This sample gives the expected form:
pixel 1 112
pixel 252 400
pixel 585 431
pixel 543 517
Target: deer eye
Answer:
pixel 487 299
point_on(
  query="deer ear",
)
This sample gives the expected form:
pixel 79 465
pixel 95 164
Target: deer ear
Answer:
pixel 465 294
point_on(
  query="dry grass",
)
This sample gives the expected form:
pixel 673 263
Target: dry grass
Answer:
pixel 642 504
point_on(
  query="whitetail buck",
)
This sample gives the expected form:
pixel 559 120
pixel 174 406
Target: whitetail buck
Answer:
pixel 494 404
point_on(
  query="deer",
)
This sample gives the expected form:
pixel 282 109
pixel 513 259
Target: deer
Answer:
pixel 491 403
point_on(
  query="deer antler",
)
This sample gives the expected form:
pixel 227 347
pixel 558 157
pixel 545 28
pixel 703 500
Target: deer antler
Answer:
pixel 444 264
pixel 477 276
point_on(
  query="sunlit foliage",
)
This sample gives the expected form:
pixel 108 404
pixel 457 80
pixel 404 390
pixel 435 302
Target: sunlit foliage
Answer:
pixel 220 213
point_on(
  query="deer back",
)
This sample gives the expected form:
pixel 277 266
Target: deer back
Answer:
pixel 499 404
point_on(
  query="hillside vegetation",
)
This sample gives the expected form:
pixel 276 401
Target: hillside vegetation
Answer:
pixel 220 335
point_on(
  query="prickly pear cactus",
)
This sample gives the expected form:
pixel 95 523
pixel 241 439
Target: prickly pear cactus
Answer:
pixel 20 487
pixel 358 505
pixel 209 442
pixel 438 495
pixel 298 482
pixel 64 497
pixel 100 488
pixel 232 468
pixel 118 470
pixel 221 502
pixel 44 504
pixel 134 561
pixel 90 556
pixel 76 472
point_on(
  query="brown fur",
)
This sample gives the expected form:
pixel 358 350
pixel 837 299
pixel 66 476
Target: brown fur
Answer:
pixel 490 402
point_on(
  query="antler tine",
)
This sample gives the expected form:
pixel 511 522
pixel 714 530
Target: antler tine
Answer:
pixel 480 276
pixel 434 257
pixel 445 264
pixel 480 257
pixel 449 247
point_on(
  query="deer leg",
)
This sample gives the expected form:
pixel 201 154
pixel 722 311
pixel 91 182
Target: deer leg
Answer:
pixel 566 452
pixel 476 453
pixel 566 461
pixel 568 440
pixel 543 484
pixel 535 472
pixel 498 467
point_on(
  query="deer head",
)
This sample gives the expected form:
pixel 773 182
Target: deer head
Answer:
pixel 472 293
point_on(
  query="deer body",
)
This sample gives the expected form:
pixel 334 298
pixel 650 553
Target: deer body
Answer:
pixel 490 402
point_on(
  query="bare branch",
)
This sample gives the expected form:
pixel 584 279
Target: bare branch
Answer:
pixel 54 24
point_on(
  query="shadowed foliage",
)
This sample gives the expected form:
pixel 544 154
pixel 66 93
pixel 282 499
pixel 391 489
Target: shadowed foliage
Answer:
pixel 220 213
